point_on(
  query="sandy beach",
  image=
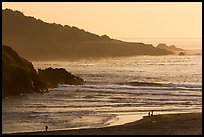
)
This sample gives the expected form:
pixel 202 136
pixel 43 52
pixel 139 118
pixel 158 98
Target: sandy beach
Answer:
pixel 165 124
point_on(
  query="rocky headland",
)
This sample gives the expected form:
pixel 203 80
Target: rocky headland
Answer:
pixel 20 77
pixel 35 40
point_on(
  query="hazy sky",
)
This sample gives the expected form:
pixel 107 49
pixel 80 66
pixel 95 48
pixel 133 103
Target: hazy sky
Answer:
pixel 177 23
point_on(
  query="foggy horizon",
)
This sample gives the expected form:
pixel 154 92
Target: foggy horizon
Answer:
pixel 185 44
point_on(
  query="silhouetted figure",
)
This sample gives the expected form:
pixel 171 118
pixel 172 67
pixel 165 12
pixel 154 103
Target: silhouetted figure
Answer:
pixel 46 128
pixel 152 113
pixel 148 114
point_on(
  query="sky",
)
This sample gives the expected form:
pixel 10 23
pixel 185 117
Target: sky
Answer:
pixel 173 23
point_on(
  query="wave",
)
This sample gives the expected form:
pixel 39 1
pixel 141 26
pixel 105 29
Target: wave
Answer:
pixel 153 84
pixel 135 83
pixel 184 85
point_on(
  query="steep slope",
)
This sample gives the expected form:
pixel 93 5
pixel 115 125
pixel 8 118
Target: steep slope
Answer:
pixel 37 40
pixel 18 75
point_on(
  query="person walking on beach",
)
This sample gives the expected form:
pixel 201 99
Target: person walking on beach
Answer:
pixel 148 114
pixel 46 128
pixel 152 113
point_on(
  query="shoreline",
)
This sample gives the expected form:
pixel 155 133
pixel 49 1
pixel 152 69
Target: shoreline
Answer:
pixel 162 124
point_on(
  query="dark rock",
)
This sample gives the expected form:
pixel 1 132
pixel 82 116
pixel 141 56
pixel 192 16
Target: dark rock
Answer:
pixel 171 48
pixel 52 77
pixel 182 53
pixel 18 75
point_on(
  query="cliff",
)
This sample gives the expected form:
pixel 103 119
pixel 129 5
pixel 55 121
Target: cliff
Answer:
pixel 18 75
pixel 50 41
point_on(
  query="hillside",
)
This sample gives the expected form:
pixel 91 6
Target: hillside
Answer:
pixel 37 40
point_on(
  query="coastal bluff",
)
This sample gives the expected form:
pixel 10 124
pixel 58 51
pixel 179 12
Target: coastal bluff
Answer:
pixel 20 77
pixel 37 40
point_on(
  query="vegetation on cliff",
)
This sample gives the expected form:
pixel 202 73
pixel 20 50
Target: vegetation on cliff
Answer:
pixel 37 40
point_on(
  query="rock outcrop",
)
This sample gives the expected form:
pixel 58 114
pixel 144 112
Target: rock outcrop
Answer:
pixel 171 48
pixel 52 77
pixel 18 75
pixel 182 53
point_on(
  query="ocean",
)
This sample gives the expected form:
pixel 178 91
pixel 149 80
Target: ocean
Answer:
pixel 117 90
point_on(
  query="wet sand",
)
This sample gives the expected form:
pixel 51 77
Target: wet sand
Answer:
pixel 166 124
